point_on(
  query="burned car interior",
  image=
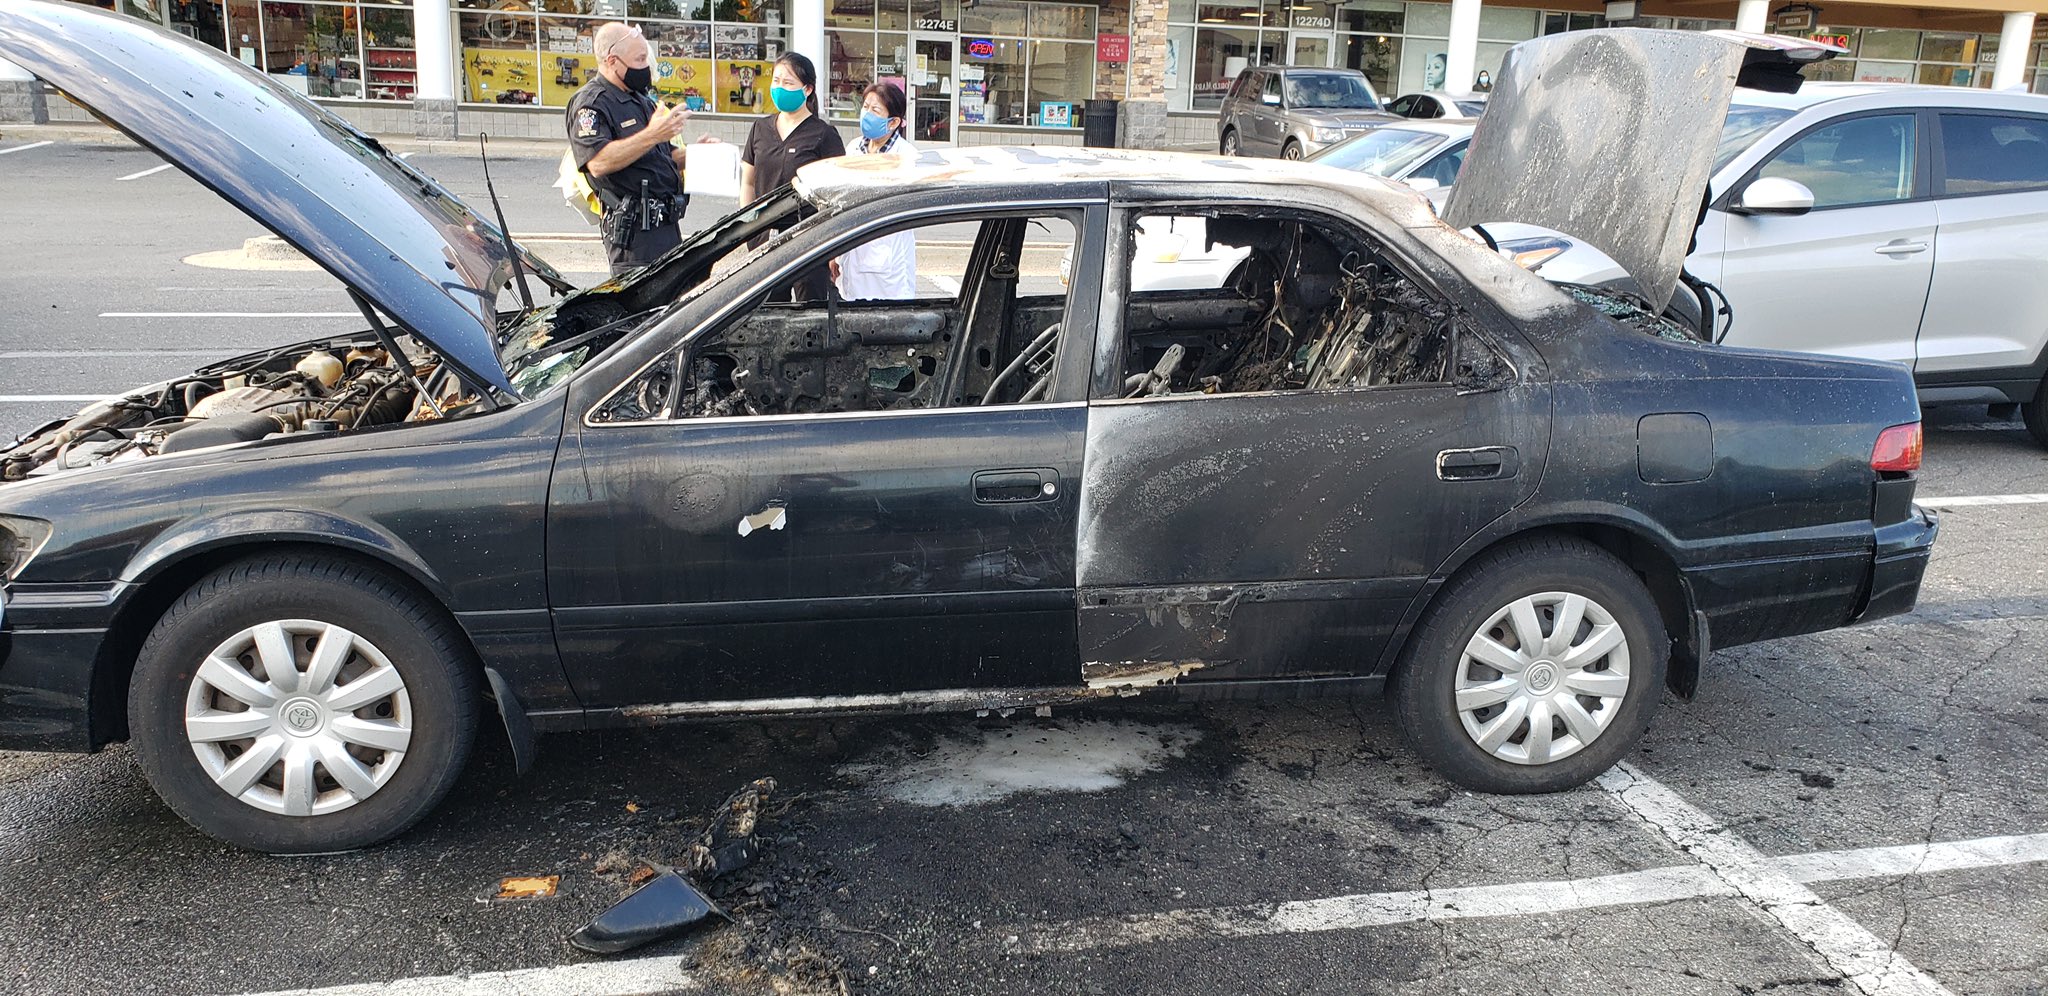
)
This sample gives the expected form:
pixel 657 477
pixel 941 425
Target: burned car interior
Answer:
pixel 991 334
pixel 1308 306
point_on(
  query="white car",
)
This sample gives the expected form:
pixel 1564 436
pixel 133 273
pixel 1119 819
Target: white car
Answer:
pixel 1895 222
pixel 1425 155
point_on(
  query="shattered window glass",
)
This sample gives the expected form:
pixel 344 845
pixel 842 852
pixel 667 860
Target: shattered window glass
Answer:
pixel 1231 304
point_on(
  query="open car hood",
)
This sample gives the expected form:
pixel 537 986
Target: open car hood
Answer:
pixel 1608 136
pixel 388 231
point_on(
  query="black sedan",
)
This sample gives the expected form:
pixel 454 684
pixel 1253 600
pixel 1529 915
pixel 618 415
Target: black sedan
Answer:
pixel 1373 453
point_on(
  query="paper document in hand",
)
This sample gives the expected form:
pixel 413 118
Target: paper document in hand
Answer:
pixel 713 170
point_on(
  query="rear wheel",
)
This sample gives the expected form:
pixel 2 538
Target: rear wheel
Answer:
pixel 297 704
pixel 1229 147
pixel 1292 150
pixel 2035 414
pixel 1536 669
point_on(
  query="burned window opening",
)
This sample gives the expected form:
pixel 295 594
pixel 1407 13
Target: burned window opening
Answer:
pixel 1307 307
pixel 994 342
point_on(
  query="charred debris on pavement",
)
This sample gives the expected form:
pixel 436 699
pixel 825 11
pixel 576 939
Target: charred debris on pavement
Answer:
pixel 674 900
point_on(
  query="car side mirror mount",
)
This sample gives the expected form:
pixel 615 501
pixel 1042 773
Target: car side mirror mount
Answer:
pixel 1773 195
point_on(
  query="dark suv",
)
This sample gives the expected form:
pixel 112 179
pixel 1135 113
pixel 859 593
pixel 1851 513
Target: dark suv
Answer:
pixel 1294 111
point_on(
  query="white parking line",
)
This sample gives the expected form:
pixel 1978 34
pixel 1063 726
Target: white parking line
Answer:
pixel 35 399
pixel 23 148
pixel 147 172
pixel 1786 875
pixel 1864 959
pixel 1657 885
pixel 96 354
pixel 1967 501
pixel 231 314
pixel 634 977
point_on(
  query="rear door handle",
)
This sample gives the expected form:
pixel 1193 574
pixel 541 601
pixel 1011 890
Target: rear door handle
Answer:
pixel 1485 463
pixel 1901 247
pixel 1003 487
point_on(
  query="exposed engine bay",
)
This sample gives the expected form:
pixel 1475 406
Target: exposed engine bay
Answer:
pixel 339 385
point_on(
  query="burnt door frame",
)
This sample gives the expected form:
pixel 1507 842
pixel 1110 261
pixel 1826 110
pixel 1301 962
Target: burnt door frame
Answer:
pixel 1280 535
pixel 659 597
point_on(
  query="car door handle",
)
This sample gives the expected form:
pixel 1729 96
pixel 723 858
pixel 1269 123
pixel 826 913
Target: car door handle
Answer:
pixel 1485 463
pixel 1003 487
pixel 1901 247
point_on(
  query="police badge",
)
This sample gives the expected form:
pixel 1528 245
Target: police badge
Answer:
pixel 586 123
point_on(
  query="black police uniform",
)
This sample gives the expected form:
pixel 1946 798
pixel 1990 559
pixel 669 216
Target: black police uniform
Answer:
pixel 643 202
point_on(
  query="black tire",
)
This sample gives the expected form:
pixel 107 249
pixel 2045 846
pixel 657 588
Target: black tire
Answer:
pixel 1229 145
pixel 1292 150
pixel 2035 414
pixel 415 636
pixel 1425 682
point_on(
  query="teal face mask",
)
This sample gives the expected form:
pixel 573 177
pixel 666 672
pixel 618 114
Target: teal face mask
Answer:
pixel 785 98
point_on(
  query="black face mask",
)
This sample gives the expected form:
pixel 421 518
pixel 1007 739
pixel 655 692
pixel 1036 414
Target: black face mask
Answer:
pixel 638 80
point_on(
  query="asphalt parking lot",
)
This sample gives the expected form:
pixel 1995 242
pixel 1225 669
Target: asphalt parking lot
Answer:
pixel 1857 811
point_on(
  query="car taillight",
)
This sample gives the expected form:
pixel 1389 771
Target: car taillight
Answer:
pixel 1897 449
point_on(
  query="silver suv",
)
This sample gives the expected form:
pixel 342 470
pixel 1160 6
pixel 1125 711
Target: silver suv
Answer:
pixel 1892 222
pixel 1294 111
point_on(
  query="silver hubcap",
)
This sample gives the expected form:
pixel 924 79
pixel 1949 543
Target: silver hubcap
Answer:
pixel 1542 678
pixel 298 717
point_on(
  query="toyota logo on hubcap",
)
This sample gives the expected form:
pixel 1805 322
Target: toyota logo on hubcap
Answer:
pixel 1541 677
pixel 301 717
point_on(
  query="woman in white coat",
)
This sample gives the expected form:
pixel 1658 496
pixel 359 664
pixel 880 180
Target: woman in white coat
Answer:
pixel 883 269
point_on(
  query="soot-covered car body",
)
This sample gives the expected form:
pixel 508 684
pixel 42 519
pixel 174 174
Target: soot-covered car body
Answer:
pixel 1375 453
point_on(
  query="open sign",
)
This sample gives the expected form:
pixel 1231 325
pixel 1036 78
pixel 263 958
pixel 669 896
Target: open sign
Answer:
pixel 981 48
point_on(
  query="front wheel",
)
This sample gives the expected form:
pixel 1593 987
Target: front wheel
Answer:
pixel 1292 150
pixel 1229 147
pixel 1536 670
pixel 297 704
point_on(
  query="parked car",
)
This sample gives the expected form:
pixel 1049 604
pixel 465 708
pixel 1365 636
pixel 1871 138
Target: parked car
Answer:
pixel 1294 111
pixel 1895 222
pixel 1426 156
pixel 1437 104
pixel 299 581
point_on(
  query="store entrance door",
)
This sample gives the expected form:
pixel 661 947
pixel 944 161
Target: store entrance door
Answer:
pixel 1310 50
pixel 932 88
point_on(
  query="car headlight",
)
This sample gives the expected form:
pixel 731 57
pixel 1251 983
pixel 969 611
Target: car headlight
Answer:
pixel 1327 134
pixel 20 539
pixel 1530 254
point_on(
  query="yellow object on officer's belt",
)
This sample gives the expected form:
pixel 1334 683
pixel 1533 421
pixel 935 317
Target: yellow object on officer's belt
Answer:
pixel 577 191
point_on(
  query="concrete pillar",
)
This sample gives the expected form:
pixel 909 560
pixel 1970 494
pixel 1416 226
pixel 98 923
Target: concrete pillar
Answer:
pixel 1752 15
pixel 1462 58
pixel 433 95
pixel 1141 120
pixel 807 37
pixel 21 97
pixel 2015 44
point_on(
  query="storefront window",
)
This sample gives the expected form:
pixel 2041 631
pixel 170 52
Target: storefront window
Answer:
pixel 1935 74
pixel 998 17
pixel 315 49
pixel 1062 79
pixel 1378 57
pixel 1220 54
pixel 1062 21
pixel 1507 24
pixel 499 61
pixel 1557 22
pixel 1375 17
pixel 1948 47
pixel 1004 98
pixel 852 69
pixel 1884 43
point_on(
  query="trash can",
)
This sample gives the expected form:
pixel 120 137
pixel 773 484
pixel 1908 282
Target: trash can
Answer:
pixel 1098 124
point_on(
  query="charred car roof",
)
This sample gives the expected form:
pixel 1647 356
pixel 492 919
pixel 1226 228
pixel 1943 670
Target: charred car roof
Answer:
pixel 388 231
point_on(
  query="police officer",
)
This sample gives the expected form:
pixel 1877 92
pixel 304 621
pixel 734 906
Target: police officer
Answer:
pixel 624 140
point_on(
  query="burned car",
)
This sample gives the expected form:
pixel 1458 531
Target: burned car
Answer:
pixel 1374 455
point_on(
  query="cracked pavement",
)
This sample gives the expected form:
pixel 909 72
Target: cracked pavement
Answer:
pixel 1923 729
